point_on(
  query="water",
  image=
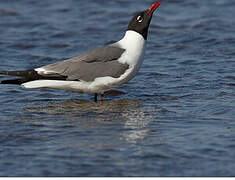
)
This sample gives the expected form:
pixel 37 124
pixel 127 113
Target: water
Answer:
pixel 177 118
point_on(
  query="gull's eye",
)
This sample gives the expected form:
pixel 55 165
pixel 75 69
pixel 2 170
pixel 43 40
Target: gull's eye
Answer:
pixel 139 19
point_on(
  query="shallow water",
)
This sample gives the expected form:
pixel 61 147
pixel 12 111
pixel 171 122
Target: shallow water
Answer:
pixel 176 118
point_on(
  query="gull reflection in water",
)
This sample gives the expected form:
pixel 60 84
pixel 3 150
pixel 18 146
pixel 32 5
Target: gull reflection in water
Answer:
pixel 136 121
pixel 126 114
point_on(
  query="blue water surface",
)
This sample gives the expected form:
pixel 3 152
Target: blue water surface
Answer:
pixel 177 117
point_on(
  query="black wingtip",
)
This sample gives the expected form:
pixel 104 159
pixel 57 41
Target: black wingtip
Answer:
pixel 24 73
pixel 13 81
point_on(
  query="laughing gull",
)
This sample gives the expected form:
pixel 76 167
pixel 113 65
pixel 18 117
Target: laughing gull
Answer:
pixel 97 70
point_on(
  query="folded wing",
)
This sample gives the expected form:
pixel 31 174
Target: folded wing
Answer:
pixel 99 62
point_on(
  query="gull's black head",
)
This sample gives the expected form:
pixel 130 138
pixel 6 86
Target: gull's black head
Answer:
pixel 140 22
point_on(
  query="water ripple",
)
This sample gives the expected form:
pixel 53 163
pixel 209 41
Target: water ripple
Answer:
pixel 175 118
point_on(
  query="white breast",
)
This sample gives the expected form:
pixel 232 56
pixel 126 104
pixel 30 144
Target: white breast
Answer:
pixel 134 43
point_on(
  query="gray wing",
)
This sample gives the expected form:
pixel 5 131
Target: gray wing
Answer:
pixel 98 62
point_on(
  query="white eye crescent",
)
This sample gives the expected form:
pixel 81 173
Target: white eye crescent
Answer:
pixel 139 19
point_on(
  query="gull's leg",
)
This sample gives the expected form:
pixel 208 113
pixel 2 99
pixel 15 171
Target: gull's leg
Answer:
pixel 101 97
pixel 95 97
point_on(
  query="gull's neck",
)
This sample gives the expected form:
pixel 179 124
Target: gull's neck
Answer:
pixel 132 39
